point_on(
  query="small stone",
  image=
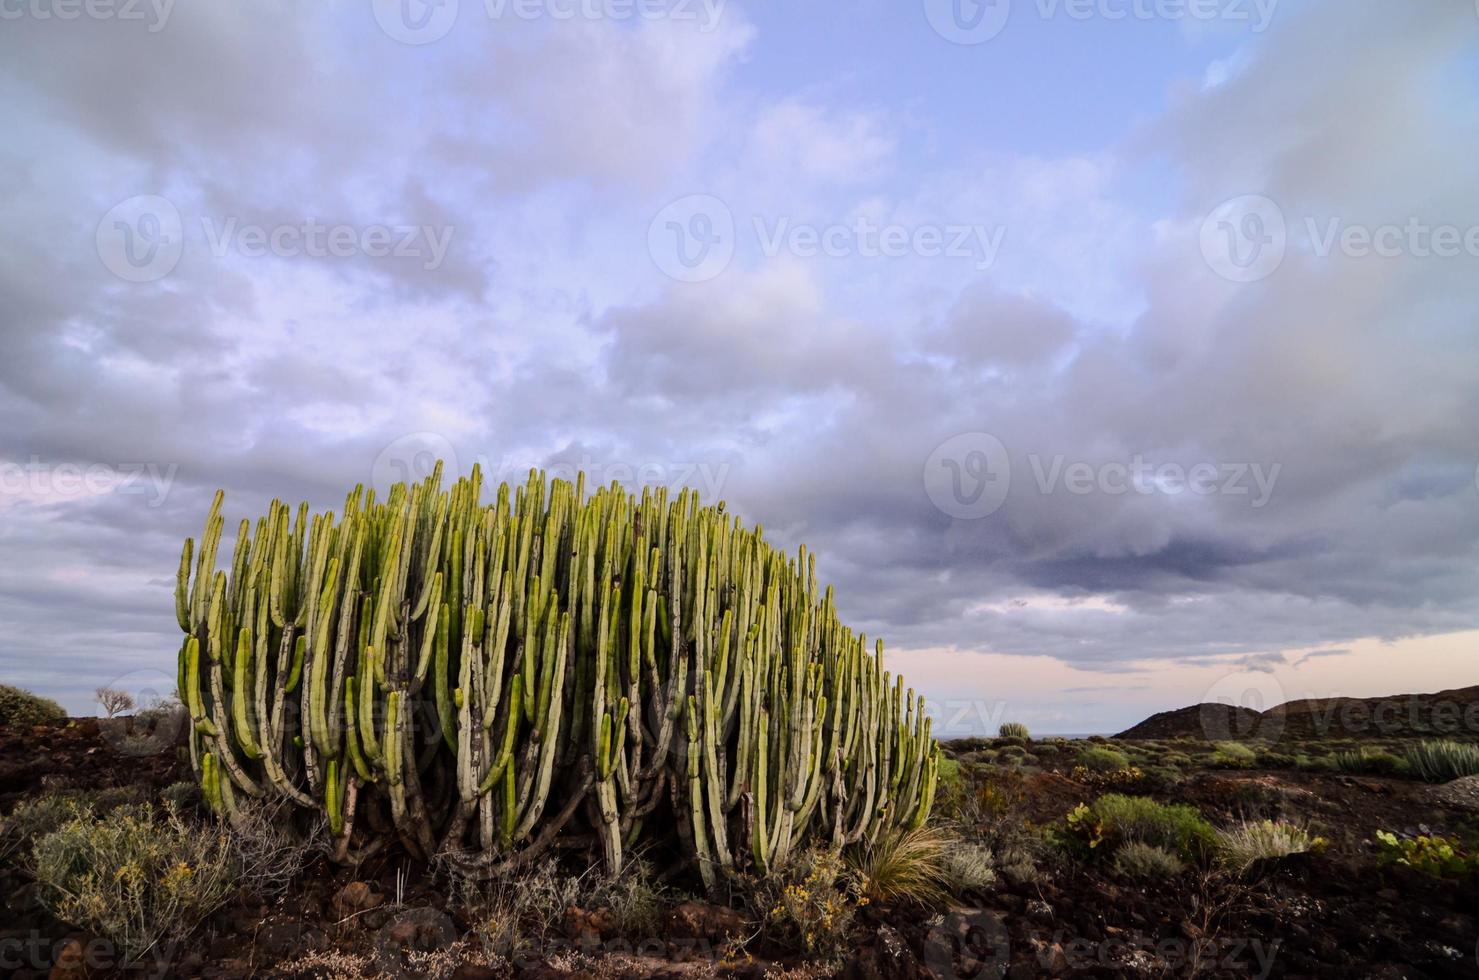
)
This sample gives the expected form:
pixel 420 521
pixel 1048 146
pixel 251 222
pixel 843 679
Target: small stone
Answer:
pixel 70 962
pixel 357 896
pixel 701 920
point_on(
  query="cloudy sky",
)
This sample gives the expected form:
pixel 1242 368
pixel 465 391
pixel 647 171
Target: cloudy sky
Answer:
pixel 1113 354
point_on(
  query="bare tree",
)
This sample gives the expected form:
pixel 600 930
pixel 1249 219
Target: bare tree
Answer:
pixel 114 701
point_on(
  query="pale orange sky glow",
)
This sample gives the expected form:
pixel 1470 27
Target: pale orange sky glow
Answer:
pixel 971 693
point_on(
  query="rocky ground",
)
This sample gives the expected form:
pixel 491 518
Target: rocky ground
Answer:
pixel 1343 912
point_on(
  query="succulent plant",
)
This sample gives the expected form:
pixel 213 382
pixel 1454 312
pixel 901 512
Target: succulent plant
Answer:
pixel 483 680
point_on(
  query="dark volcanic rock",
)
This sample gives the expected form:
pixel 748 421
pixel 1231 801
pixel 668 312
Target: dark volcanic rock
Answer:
pixel 1208 721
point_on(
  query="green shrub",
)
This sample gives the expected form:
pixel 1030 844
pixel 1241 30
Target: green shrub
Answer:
pixel 1014 729
pixel 18 707
pixel 1180 760
pixel 1440 857
pixel 181 797
pixel 1370 762
pixel 1233 755
pixel 1314 763
pixel 1275 760
pixel 1441 761
pixel 33 818
pixel 1141 860
pixel 1166 775
pixel 634 899
pixel 1100 759
pixel 1241 845
pixel 134 879
pixel 1117 819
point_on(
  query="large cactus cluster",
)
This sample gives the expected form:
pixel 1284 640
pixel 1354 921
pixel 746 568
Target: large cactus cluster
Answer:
pixel 486 680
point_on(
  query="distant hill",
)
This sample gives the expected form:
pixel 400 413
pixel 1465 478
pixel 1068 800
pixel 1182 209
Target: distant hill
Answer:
pixel 1452 713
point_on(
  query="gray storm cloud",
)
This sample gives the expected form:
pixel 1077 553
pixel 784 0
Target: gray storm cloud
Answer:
pixel 814 391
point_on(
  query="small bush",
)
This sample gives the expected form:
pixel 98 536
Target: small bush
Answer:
pixel 134 879
pixel 905 866
pixel 1101 759
pixel 1233 755
pixel 1116 819
pixel 511 916
pixel 268 855
pixel 1140 860
pixel 949 786
pixel 1110 779
pixel 1242 845
pixel 634 899
pixel 32 818
pixel 1275 760
pixel 1314 763
pixel 181 797
pixel 1440 857
pixel 516 915
pixel 1014 729
pixel 1369 761
pixel 1440 762
pixel 967 868
pixel 18 707
pixel 807 906
pixel 1166 776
